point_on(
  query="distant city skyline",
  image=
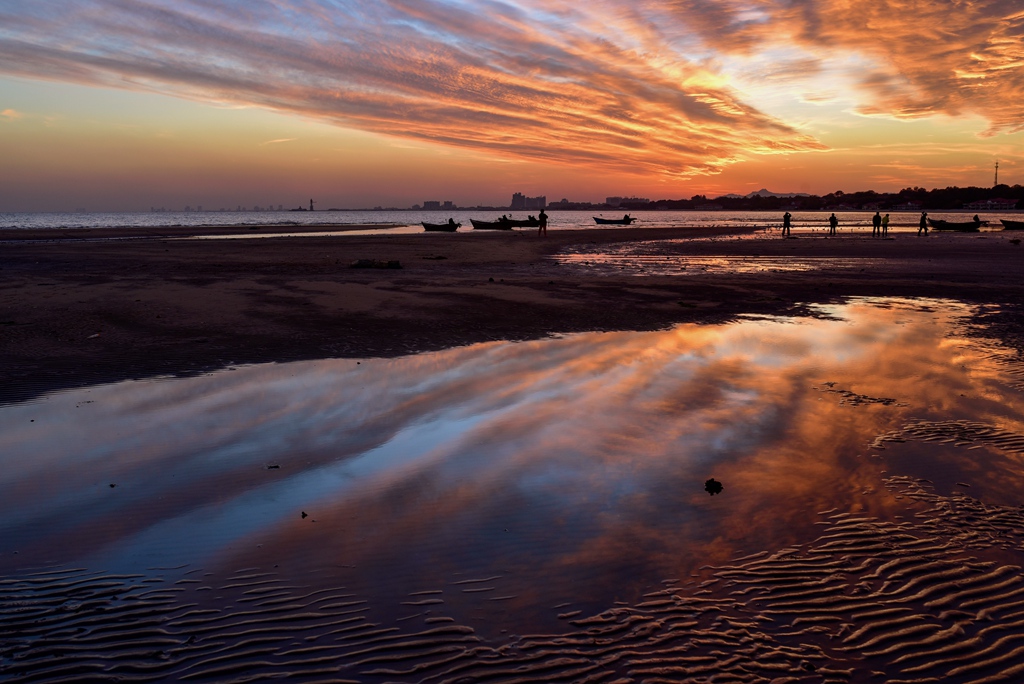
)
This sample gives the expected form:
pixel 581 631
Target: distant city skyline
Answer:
pixel 839 200
pixel 126 105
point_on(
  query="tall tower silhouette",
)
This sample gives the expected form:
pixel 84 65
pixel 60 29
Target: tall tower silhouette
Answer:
pixel 997 175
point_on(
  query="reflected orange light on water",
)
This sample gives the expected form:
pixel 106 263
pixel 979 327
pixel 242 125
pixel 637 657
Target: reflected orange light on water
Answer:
pixel 572 468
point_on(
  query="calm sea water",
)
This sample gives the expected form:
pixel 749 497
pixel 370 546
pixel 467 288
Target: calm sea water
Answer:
pixel 410 220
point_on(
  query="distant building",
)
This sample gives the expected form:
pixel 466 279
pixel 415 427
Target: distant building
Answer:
pixel 433 205
pixel 619 201
pixel 566 204
pixel 908 206
pixel 709 207
pixel 523 203
pixel 995 204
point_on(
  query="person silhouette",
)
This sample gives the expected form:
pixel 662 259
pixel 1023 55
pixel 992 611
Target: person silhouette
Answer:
pixel 876 224
pixel 922 227
pixel 786 223
pixel 885 225
pixel 833 222
pixel 543 229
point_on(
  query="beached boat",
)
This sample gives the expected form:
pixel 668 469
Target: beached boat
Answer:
pixel 531 222
pixel 1012 225
pixel 491 225
pixel 441 227
pixel 961 226
pixel 624 221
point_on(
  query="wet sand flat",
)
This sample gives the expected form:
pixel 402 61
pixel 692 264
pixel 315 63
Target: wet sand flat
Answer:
pixel 478 515
pixel 74 312
pixel 502 512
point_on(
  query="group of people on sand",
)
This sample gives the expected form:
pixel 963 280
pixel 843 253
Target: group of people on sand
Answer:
pixel 879 224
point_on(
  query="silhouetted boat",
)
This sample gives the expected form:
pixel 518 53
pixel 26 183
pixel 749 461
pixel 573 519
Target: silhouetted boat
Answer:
pixel 441 227
pixel 624 221
pixel 1012 225
pixel 961 226
pixel 531 222
pixel 491 225
pixel 505 223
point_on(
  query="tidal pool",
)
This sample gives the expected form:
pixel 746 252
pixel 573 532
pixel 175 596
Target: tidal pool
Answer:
pixel 509 485
pixel 668 257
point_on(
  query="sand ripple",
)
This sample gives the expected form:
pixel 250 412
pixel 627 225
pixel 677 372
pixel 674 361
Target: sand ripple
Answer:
pixel 955 432
pixel 851 398
pixel 916 600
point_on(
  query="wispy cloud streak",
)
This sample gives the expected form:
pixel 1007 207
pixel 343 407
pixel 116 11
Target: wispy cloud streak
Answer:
pixel 898 58
pixel 549 84
pixel 635 86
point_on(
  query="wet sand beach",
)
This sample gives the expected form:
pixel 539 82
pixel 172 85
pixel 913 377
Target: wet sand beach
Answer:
pixel 312 498
pixel 75 311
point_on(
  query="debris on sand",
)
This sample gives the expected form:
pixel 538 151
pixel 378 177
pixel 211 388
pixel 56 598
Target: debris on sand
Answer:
pixel 713 486
pixel 376 263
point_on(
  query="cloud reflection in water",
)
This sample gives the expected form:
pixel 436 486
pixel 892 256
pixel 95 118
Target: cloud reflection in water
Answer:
pixel 574 464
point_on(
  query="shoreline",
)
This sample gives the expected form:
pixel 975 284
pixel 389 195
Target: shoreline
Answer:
pixel 79 312
pixel 13 235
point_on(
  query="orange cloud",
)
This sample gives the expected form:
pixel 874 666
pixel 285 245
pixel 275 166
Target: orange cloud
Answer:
pixel 940 58
pixel 644 87
pixel 511 80
pixel 903 58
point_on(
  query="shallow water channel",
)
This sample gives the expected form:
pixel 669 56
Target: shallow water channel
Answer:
pixel 511 485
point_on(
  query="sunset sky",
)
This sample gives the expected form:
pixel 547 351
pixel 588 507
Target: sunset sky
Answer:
pixel 122 105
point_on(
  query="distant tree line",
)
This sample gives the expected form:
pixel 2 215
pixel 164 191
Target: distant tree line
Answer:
pixel 937 198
